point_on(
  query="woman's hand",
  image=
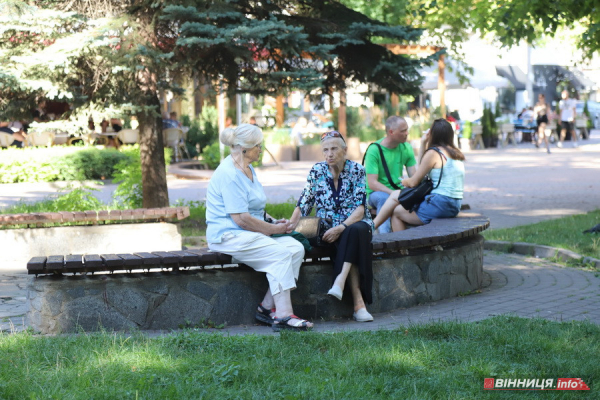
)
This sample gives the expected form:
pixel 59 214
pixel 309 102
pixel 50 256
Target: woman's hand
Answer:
pixel 333 234
pixel 282 226
pixel 408 182
pixel 425 137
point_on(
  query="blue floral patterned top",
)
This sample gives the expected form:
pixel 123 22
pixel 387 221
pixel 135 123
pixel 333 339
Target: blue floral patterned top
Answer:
pixel 335 204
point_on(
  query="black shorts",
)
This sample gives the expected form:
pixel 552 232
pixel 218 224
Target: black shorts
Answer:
pixel 542 119
pixel 567 125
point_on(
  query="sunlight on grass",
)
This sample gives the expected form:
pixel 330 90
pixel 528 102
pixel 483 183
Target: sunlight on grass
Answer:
pixel 565 233
pixel 439 360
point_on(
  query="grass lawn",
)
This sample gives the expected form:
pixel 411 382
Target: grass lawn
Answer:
pixel 435 361
pixel 565 233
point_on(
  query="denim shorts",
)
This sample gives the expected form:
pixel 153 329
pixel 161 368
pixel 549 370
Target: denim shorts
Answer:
pixel 438 206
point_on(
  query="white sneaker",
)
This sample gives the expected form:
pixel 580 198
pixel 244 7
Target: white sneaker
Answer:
pixel 362 315
pixel 336 292
pixel 559 145
pixel 575 145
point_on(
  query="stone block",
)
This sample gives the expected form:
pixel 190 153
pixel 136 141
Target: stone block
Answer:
pixel 201 289
pixel 235 304
pixel 544 251
pixel 526 249
pixel 89 314
pixel 128 301
pixel 178 308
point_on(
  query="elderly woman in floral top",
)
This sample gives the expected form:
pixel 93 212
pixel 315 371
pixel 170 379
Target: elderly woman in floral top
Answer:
pixel 337 189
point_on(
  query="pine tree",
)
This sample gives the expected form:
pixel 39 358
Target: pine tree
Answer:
pixel 126 52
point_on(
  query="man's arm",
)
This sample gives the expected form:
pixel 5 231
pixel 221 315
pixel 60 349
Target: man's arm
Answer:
pixel 411 170
pixel 375 185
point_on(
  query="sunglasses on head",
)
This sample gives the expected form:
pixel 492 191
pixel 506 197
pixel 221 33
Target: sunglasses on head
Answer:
pixel 332 134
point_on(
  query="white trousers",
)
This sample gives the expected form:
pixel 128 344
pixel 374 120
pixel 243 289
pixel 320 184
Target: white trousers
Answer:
pixel 280 257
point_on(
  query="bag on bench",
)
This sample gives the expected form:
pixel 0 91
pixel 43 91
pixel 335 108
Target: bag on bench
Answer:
pixel 313 229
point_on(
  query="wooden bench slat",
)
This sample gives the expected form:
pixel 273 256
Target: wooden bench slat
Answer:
pixel 93 261
pixel 73 261
pixel 130 259
pixel 112 260
pixel 166 257
pixel 36 264
pixel 149 258
pixel 186 256
pixel 54 263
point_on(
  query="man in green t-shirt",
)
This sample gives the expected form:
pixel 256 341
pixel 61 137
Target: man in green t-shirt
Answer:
pixel 398 154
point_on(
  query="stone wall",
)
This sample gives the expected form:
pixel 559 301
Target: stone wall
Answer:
pixel 169 300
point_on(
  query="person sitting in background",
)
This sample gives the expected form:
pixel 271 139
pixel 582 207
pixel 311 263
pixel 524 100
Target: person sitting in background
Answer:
pixel 445 200
pixel 106 127
pixel 17 134
pixel 337 189
pixel 171 121
pixel 39 114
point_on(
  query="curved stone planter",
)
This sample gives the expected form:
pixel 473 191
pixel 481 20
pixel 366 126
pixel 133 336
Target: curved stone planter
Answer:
pixel 168 300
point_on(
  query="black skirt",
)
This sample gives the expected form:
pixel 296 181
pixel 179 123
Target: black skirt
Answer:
pixel 354 246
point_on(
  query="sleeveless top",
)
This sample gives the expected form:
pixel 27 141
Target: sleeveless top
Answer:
pixel 453 178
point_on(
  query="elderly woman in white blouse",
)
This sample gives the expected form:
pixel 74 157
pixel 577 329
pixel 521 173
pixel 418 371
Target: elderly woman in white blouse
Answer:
pixel 237 225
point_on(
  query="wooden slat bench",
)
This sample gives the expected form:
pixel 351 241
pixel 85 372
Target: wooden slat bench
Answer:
pixel 438 233
pixel 94 217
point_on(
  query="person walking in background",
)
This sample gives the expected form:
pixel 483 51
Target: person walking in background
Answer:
pixel 397 154
pixel 541 110
pixel 567 118
pixel 445 200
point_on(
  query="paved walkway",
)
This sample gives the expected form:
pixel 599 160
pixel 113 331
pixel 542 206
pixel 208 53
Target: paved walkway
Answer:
pixel 514 284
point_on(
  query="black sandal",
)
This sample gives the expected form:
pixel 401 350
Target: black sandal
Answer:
pixel 283 323
pixel 264 315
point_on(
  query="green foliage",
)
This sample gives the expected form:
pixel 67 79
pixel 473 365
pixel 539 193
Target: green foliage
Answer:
pixel 203 130
pixel 281 210
pixel 466 129
pixel 444 360
pixel 128 174
pixel 354 122
pixel 57 164
pixel 211 154
pixel 71 198
pixel 488 122
pixel 565 233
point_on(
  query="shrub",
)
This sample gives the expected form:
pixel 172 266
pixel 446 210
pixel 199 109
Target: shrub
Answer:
pixel 58 164
pixel 69 199
pixel 211 154
pixel 128 174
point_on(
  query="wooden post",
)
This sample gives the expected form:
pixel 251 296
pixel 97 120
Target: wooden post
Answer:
pixel 342 114
pixel 221 114
pixel 279 117
pixel 442 85
pixel 394 100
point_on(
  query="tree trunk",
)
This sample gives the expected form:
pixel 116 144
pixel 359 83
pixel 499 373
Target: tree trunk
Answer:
pixel 152 156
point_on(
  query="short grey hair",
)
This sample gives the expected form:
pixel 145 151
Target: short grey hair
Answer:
pixel 393 123
pixel 245 135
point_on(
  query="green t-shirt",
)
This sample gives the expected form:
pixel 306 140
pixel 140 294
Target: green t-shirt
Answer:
pixel 396 160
